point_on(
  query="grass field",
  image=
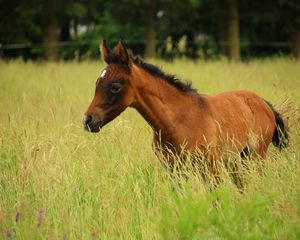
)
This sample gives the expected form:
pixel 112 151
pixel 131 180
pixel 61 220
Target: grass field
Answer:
pixel 59 182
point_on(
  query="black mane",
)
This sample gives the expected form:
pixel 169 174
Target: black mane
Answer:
pixel 171 79
pixel 154 70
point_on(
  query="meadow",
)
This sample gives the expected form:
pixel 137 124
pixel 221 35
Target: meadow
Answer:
pixel 59 182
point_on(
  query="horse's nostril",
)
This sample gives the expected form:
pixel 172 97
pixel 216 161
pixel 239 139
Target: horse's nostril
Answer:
pixel 87 120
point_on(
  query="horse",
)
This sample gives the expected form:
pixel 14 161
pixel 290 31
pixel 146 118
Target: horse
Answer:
pixel 214 125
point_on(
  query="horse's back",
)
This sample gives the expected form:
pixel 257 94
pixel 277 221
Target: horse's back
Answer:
pixel 247 103
pixel 242 116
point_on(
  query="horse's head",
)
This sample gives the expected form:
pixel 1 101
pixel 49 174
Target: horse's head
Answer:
pixel 113 92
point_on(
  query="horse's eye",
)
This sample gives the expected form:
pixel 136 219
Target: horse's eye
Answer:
pixel 116 87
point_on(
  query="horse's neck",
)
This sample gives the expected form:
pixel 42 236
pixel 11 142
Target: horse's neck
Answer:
pixel 158 102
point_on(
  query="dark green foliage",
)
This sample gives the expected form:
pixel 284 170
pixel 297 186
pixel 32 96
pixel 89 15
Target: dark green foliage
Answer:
pixel 266 27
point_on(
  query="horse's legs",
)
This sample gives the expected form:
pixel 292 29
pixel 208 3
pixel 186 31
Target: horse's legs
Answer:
pixel 236 168
pixel 262 151
pixel 214 167
pixel 245 153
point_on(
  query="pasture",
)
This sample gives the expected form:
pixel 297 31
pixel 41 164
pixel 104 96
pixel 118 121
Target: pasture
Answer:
pixel 60 182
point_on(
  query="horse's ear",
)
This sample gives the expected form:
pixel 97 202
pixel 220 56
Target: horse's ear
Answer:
pixel 122 53
pixel 104 51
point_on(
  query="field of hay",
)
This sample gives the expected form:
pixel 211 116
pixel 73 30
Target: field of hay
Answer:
pixel 59 182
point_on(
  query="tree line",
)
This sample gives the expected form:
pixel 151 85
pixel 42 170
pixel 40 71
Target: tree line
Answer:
pixel 53 29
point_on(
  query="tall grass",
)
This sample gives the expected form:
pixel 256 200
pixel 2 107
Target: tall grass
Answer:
pixel 59 182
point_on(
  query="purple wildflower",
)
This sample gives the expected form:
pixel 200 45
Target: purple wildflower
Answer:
pixel 18 217
pixel 40 219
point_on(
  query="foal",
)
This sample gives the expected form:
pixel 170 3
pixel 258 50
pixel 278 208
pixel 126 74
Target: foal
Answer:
pixel 179 116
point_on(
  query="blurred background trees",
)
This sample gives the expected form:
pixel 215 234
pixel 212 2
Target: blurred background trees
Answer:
pixel 196 29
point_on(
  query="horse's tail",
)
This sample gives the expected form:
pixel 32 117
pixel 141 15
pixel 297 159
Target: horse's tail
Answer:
pixel 281 137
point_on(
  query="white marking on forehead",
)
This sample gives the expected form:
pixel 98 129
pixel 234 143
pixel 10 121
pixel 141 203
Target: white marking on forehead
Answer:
pixel 103 73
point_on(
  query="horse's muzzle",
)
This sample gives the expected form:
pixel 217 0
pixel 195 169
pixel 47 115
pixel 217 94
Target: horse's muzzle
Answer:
pixel 89 125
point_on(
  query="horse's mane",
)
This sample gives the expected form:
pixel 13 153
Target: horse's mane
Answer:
pixel 154 70
pixel 171 79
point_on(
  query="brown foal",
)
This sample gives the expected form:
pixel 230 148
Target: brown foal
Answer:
pixel 180 117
